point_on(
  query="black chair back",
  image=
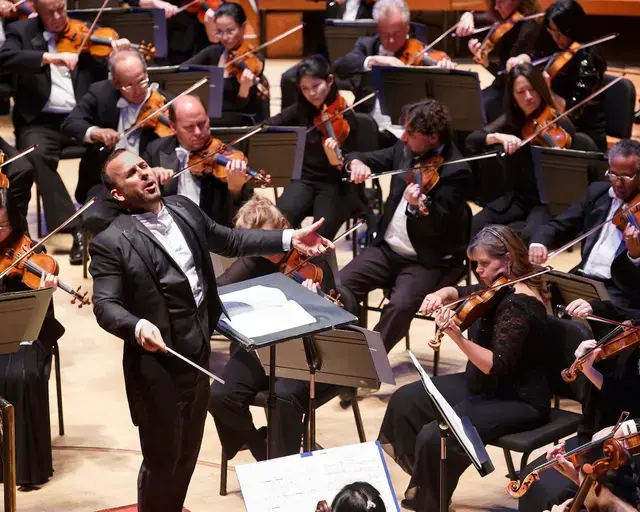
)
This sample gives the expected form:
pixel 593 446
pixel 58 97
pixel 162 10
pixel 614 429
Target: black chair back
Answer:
pixel 619 105
pixel 368 134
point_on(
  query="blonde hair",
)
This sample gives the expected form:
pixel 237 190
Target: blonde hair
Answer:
pixel 259 213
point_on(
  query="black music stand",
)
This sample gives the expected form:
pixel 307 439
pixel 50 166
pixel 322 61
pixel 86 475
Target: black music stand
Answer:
pixel 563 175
pixel 352 357
pixel 134 24
pixel 326 315
pixel 565 287
pixel 21 317
pixel 458 90
pixel 462 429
pixel 279 148
pixel 175 79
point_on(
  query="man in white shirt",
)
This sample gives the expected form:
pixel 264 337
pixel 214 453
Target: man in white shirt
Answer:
pixel 154 287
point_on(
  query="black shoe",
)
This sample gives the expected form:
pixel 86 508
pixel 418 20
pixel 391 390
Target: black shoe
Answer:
pixel 75 254
pixel 258 445
pixel 409 504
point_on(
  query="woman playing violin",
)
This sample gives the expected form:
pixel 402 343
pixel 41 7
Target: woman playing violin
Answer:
pixel 24 375
pixel 243 375
pixel 504 388
pixel 243 98
pixel 320 191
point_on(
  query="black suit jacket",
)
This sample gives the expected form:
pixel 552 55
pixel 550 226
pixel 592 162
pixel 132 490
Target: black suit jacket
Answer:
pixel 128 286
pixel 336 11
pixel 215 199
pixel 21 56
pixel 440 238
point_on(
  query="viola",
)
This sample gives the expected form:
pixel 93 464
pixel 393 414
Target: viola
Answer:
pixel 413 50
pixel 244 57
pixel 426 176
pixel 496 33
pixel 299 268
pixel 331 123
pixel 72 37
pixel 160 123
pixel 552 136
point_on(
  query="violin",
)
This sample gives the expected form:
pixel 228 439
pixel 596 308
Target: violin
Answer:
pixel 331 123
pixel 299 268
pixel 160 123
pixel 560 60
pixel 426 176
pixel 552 136
pixel 31 269
pixel 413 50
pixel 73 35
pixel 496 33
pixel 244 57
pixel 630 215
pixel 200 7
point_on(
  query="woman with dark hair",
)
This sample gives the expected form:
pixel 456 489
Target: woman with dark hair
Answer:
pixel 242 102
pixel 517 199
pixel 320 191
pixel 355 497
pixel 504 388
pixel 520 39
pixel 24 375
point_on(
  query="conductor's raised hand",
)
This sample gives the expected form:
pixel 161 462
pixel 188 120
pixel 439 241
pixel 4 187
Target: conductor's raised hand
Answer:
pixel 162 175
pixel 309 242
pixel 150 338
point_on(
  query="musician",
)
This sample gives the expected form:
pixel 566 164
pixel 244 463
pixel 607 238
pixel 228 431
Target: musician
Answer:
pixel 412 254
pixel 243 374
pixel 21 176
pixel 320 191
pixel 349 10
pixel 108 109
pixel 603 250
pixel 242 103
pixel 565 24
pixel 154 287
pixel 355 497
pixel 220 200
pixel 47 86
pixel 504 388
pixel 520 39
pixel 24 375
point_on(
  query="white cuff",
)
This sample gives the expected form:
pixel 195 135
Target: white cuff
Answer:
pixel 629 427
pixel 87 135
pixel 534 244
pixel 141 323
pixel 635 261
pixel 287 235
pixel 366 63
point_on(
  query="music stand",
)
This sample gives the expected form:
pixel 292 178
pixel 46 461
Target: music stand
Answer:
pixel 326 316
pixel 175 79
pixel 566 287
pixel 352 357
pixel 458 90
pixel 462 429
pixel 563 175
pixel 21 317
pixel 134 24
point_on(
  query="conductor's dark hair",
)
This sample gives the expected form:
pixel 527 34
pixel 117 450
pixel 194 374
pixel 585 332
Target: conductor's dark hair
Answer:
pixel 232 10
pixel 569 17
pixel 358 497
pixel 427 117
pixel 106 179
pixel 515 116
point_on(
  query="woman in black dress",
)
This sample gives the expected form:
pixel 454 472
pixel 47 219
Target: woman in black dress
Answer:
pixel 504 388
pixel 24 375
pixel 320 191
pixel 242 102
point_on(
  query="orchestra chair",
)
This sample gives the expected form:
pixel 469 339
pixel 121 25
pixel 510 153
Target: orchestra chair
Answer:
pixel 260 400
pixel 619 105
pixel 563 338
pixel 56 361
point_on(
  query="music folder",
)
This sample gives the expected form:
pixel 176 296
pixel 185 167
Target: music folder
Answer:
pixel 21 317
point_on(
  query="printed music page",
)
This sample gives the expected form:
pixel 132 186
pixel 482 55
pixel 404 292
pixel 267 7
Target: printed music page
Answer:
pixel 262 310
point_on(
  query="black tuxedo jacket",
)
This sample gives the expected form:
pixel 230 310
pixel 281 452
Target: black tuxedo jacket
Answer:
pixel 440 238
pixel 21 56
pixel 215 199
pixel 135 278
pixel 336 11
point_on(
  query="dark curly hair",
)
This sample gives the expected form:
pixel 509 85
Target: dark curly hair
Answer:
pixel 428 117
pixel 526 7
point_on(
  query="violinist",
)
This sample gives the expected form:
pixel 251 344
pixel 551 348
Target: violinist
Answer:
pixel 320 191
pixel 21 176
pixel 504 388
pixel 243 374
pixel 412 254
pixel 517 37
pixel 604 255
pixel 47 86
pixel 243 101
pixel 24 375
pixel 219 199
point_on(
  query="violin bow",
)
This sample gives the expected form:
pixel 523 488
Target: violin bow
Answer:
pixel 264 45
pixel 346 109
pixel 490 27
pixel 432 44
pixel 222 149
pixel 184 8
pixel 92 27
pixel 22 153
pixel 563 311
pixel 41 242
pixel 568 112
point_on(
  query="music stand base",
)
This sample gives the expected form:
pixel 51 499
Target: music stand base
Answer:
pixel 444 433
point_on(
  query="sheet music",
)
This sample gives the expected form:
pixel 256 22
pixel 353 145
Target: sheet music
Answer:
pixel 261 310
pixel 296 483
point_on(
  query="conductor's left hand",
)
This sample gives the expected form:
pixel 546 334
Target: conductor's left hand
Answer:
pixel 309 242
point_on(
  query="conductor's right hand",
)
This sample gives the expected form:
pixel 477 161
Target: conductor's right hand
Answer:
pixel 150 338
pixel 538 254
pixel 107 136
pixel 359 172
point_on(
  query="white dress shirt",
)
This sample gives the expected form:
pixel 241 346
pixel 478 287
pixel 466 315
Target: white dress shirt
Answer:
pixel 188 185
pixel 397 236
pixel 351 10
pixel 62 99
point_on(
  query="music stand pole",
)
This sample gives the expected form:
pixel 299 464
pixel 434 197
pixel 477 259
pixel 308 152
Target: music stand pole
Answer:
pixel 313 361
pixel 444 433
pixel 271 399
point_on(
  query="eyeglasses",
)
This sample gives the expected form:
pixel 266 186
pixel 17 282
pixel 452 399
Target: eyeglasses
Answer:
pixel 142 84
pixel 614 177
pixel 231 32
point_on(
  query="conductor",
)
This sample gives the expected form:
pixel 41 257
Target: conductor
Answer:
pixel 154 287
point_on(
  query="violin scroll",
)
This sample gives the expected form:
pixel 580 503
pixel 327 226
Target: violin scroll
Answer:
pixel 518 489
pixel 437 341
pixel 82 299
pixel 570 374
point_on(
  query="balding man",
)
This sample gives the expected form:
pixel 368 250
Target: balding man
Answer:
pixel 190 121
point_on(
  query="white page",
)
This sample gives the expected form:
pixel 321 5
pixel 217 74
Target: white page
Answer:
pixel 296 483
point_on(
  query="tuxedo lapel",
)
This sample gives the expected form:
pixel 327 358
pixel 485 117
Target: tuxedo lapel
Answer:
pixel 197 234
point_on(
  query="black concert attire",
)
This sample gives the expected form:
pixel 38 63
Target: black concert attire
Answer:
pixel 513 397
pixel 134 264
pixel 412 254
pixel 43 99
pixel 21 175
pixel 236 111
pixel 320 191
pixel 245 377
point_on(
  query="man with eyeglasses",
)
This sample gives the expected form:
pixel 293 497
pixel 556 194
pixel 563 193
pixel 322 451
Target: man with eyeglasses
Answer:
pixel 605 255
pixel 108 109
